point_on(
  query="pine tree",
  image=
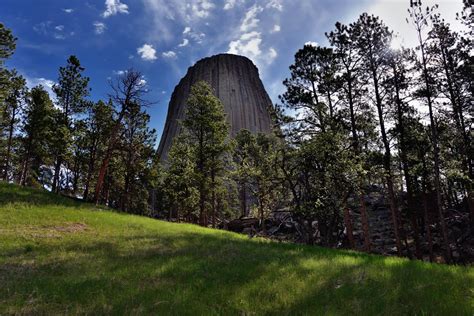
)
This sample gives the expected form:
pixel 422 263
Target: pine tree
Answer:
pixel 450 60
pixel 37 132
pixel 70 91
pixel 137 153
pixel 7 48
pixel 373 40
pixel 128 90
pixel 207 129
pixel 12 109
pixel 420 19
pixel 343 41
pixel 180 180
pixel 98 124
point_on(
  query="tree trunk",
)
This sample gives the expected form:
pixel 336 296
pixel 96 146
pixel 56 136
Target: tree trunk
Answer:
pixel 90 170
pixel 356 149
pixel 213 197
pixel 57 170
pixel 108 154
pixel 349 229
pixel 405 165
pixel 9 145
pixel 434 140
pixel 365 222
pixel 387 163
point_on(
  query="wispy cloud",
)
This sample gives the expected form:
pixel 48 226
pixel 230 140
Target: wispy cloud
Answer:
pixel 250 39
pixel 184 43
pixel 276 29
pixel 47 28
pixel 113 7
pixel 169 54
pixel 99 27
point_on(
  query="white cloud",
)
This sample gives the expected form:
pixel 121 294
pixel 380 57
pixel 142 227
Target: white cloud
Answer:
pixel 169 54
pixel 113 7
pixel 165 15
pixel 272 54
pixel 68 10
pixel 310 43
pixel 147 52
pixel 46 83
pixel 194 35
pixel 99 27
pixel 248 45
pixel 142 82
pixel 184 43
pixel 275 4
pixel 276 29
pixel 186 30
pixel 250 41
pixel 47 28
pixel 119 72
pixel 393 15
pixel 250 20
pixel 197 36
pixel 229 4
pixel 201 8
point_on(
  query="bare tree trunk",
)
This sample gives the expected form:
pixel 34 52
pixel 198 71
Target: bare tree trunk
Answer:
pixel 108 155
pixel 387 163
pixel 426 212
pixel 57 170
pixel 348 224
pixel 365 222
pixel 356 149
pixel 434 140
pixel 9 146
pixel 213 197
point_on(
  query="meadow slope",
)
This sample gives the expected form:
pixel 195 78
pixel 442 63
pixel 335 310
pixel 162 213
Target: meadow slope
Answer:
pixel 60 256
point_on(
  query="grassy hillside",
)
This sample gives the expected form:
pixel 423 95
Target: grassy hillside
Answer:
pixel 61 256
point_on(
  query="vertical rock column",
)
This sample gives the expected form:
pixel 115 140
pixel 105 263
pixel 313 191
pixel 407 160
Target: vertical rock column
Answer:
pixel 236 82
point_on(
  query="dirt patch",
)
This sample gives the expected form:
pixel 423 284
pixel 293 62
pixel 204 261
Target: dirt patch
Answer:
pixel 70 228
pixel 47 231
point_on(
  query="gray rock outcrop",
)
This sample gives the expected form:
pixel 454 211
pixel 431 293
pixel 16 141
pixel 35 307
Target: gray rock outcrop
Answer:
pixel 236 82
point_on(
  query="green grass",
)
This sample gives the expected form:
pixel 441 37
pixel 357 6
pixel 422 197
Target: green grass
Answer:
pixel 58 256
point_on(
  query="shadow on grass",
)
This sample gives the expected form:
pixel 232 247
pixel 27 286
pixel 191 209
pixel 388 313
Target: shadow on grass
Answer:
pixel 202 273
pixel 12 193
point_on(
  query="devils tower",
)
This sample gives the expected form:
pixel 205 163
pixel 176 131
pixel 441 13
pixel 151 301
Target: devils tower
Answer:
pixel 236 82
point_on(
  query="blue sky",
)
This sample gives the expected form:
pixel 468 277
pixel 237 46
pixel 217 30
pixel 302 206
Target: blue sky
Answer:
pixel 162 38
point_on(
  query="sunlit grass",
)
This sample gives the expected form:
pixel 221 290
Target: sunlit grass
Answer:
pixel 58 256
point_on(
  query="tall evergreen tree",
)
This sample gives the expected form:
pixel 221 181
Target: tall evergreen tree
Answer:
pixel 37 132
pixel 420 20
pixel 98 124
pixel 206 125
pixel 12 110
pixel 343 41
pixel 7 48
pixel 71 89
pixel 373 39
pixel 180 187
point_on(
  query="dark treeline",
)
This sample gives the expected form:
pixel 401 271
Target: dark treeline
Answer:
pixel 360 120
pixel 101 151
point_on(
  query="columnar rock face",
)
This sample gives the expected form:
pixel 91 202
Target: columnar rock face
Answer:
pixel 235 81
